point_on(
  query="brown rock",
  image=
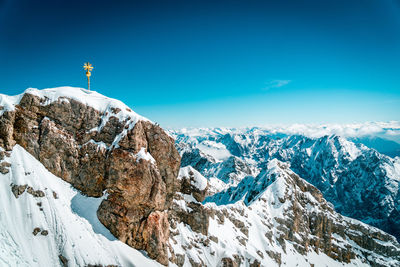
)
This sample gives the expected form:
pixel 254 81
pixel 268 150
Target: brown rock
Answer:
pixel 36 231
pixel 44 232
pixel 35 193
pixel 255 263
pixel 162 147
pixel 115 110
pixel 214 238
pixel 63 260
pixel 18 189
pixel 228 262
pixel 5 164
pixel 4 170
pixel 156 234
pixel 60 136
pixel 7 129
pixel 4 167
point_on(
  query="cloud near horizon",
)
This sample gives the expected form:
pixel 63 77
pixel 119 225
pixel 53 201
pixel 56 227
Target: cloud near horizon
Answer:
pixel 276 84
pixel 388 130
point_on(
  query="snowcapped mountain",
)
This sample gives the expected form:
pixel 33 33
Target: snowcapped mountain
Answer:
pixel 383 146
pixel 85 181
pixel 275 219
pixel 359 181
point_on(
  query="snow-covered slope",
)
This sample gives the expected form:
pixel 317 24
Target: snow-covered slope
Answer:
pixel 275 219
pixel 359 181
pixel 68 224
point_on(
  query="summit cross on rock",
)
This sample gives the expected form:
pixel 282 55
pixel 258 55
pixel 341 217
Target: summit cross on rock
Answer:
pixel 88 67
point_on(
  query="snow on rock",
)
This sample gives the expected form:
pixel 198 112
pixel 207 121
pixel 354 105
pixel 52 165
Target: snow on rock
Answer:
pixel 276 219
pixel 359 181
pixel 108 106
pixel 8 102
pixel 66 222
pixel 197 180
pixel 90 98
pixel 143 154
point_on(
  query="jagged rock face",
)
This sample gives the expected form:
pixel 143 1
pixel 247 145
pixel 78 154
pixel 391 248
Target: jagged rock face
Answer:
pixel 186 206
pixel 271 219
pixel 360 182
pixel 95 152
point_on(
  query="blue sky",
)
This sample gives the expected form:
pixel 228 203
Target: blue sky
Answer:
pixel 213 63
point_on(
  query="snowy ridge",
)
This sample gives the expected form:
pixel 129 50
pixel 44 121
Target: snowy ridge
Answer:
pixel 359 181
pixel 93 99
pixel 108 107
pixel 69 218
pixel 253 224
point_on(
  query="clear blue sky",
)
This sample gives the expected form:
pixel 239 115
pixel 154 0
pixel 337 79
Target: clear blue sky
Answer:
pixel 201 63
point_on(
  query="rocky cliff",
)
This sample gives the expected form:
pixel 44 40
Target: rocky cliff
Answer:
pixel 99 146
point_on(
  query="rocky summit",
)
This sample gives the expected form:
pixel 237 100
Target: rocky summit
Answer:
pixel 85 181
pixel 99 145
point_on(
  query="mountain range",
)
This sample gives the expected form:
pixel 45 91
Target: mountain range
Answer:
pixel 85 181
pixel 359 181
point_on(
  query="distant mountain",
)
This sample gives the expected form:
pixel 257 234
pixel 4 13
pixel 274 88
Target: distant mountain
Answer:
pixel 384 146
pixel 359 181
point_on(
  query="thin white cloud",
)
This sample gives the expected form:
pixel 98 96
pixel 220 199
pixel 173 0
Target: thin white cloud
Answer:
pixel 276 84
pixel 390 130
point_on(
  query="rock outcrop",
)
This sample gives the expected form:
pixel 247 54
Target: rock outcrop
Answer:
pixel 187 207
pixel 98 148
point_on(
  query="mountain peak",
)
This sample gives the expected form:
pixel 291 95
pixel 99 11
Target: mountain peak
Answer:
pixel 98 144
pixel 93 99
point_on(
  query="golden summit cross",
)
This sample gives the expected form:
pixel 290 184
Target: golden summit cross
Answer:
pixel 88 67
